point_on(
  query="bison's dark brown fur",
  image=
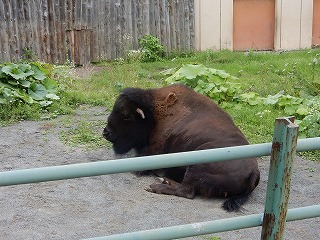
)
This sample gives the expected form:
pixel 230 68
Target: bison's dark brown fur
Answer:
pixel 177 119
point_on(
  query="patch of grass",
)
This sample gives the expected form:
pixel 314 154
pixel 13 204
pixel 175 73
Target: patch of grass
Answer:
pixel 85 133
pixel 266 73
pixel 213 238
pixel 18 111
pixel 102 88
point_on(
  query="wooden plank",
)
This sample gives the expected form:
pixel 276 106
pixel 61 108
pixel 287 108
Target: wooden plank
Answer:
pixel 84 16
pixel 20 34
pixel 70 44
pixel 52 32
pixel 138 17
pixel 4 36
pixel 192 25
pixel 109 52
pixel 39 30
pixel 162 23
pixel 186 20
pixel 89 6
pixel 61 31
pixel 15 44
pixel 95 35
pixel 77 14
pixel 70 14
pixel 44 28
pixel 197 31
pixel 128 25
pixel 134 31
pixel 77 47
pixel 34 11
pixel 152 28
pixel 26 26
pixel 157 32
pixel 172 25
pixel 180 25
pixel 145 16
pixel 167 26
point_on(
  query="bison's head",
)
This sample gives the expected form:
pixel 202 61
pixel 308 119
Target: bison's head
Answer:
pixel 131 121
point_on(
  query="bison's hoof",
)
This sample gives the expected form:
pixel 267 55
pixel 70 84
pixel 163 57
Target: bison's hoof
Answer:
pixel 161 180
pixel 159 188
pixel 148 190
pixel 154 188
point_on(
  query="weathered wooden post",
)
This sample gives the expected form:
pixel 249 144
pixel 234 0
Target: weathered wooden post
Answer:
pixel 283 152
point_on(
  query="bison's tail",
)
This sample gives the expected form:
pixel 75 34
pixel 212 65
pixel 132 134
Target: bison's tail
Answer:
pixel 235 203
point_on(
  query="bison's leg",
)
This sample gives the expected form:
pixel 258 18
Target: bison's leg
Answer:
pixel 185 189
pixel 181 191
pixel 168 181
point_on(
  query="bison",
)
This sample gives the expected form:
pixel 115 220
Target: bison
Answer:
pixel 177 119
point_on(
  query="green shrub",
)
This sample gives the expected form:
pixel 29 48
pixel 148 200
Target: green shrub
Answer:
pixel 151 48
pixel 225 90
pixel 26 82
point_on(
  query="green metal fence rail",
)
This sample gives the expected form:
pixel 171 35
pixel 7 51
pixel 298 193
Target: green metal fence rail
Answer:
pixel 282 151
pixel 209 227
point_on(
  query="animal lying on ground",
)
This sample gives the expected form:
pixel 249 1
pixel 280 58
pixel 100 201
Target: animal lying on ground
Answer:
pixel 177 119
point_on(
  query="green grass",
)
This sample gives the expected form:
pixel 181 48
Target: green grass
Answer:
pixel 266 73
pixel 84 133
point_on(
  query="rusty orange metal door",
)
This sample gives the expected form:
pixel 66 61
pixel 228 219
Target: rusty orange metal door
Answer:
pixel 253 24
pixel 316 23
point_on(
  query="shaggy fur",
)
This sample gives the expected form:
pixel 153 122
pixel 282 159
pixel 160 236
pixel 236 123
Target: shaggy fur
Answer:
pixel 177 119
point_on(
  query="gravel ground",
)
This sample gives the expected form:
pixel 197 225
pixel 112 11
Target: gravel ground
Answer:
pixel 110 204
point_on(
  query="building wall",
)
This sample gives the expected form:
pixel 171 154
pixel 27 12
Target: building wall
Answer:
pixel 253 24
pixel 316 23
pixel 216 24
pixel 213 24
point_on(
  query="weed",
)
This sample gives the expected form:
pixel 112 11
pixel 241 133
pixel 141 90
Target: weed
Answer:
pixel 28 54
pixel 151 49
pixel 85 133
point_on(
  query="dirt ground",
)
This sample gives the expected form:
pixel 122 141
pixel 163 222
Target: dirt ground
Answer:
pixel 110 204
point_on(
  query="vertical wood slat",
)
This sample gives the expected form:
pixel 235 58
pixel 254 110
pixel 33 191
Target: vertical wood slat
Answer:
pixel 34 12
pixel 4 38
pixel 15 39
pixel 107 29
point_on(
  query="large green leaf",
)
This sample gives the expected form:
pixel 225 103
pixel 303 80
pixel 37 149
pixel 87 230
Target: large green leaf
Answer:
pixel 272 99
pixel 25 83
pixel 50 85
pixel 52 96
pixel 190 71
pixel 2 74
pixel 38 74
pixel 37 91
pixel 18 71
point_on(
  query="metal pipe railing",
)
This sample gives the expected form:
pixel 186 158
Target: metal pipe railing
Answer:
pixel 209 227
pixel 53 173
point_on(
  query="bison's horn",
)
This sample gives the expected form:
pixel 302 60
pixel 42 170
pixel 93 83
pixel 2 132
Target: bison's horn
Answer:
pixel 141 113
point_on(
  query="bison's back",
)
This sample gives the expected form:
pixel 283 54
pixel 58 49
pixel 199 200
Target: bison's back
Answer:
pixel 192 121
